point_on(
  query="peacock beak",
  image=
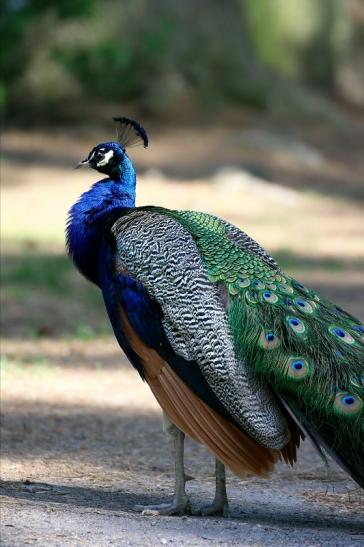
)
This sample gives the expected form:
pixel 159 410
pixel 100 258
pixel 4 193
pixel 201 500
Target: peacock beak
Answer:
pixel 83 163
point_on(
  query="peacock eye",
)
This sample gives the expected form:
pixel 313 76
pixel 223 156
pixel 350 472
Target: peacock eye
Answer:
pixel 303 305
pixel 296 324
pixel 347 403
pixel 298 368
pixel 257 284
pixel 341 334
pixel 269 296
pixel 286 289
pixel 268 340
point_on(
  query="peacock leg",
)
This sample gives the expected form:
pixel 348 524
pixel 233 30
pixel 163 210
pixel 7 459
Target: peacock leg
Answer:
pixel 180 504
pixel 220 504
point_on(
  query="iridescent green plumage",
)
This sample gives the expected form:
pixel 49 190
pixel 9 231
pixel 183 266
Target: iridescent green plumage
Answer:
pixel 309 350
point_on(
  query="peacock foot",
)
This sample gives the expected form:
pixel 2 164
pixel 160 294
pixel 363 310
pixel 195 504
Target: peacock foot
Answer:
pixel 179 506
pixel 216 508
pixel 220 504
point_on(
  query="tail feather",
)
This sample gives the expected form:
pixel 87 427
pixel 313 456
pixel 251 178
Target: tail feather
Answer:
pixel 342 458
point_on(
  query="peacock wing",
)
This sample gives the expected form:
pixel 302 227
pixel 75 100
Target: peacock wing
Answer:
pixel 162 257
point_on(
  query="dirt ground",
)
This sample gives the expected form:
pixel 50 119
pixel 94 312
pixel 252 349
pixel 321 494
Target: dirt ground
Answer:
pixel 81 435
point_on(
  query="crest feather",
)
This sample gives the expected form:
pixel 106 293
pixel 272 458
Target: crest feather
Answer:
pixel 131 133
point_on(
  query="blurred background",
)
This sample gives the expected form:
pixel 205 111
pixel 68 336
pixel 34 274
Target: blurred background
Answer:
pixel 255 112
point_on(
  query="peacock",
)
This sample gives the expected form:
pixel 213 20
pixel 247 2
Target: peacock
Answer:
pixel 239 355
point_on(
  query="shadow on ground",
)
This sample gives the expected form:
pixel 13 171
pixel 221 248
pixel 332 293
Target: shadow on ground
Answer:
pixel 121 500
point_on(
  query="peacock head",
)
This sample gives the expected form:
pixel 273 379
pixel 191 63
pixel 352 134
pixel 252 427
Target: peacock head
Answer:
pixel 107 158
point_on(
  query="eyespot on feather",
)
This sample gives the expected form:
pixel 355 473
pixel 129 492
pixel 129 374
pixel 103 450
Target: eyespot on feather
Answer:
pixel 298 368
pixel 243 282
pixel 287 289
pixel 341 334
pixel 272 287
pixel 270 297
pixel 358 331
pixel 303 305
pixel 299 286
pixel 232 289
pixel 347 404
pixel 251 297
pixel 257 284
pixel 296 324
pixel 268 340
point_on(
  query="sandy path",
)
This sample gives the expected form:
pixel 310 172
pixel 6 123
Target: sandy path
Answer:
pixel 81 444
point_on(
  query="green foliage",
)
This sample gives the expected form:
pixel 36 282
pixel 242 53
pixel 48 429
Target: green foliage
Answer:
pixel 88 64
pixel 35 270
pixel 161 55
pixel 85 332
pixel 17 19
pixel 278 28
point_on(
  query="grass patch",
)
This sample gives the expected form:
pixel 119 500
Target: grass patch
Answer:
pixel 44 295
pixel 37 270
pixel 36 365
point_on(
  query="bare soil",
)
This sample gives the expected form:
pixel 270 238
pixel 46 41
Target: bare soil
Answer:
pixel 83 443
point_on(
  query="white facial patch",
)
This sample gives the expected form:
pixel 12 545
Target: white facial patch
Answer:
pixel 105 160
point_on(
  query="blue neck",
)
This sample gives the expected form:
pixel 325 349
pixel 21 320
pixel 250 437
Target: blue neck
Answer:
pixel 94 213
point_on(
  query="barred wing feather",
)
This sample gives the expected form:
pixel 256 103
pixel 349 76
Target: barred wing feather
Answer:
pixel 309 350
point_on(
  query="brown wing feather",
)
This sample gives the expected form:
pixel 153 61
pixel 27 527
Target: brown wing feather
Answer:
pixel 230 445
